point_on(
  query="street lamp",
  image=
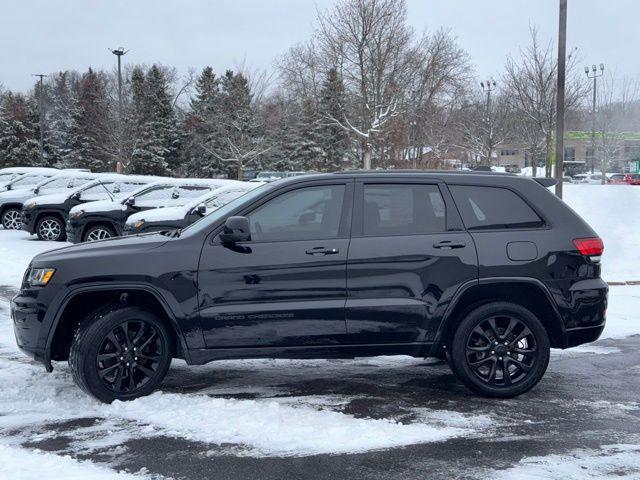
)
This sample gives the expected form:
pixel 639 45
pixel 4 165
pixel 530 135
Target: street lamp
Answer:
pixel 489 86
pixel 594 74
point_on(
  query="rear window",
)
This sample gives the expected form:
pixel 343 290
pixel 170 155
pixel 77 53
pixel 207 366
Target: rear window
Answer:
pixel 493 208
pixel 403 210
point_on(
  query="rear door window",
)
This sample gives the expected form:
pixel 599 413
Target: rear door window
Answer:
pixel 493 208
pixel 402 209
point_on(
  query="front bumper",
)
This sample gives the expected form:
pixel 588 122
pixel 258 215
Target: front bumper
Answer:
pixel 74 231
pixel 28 317
pixel 28 220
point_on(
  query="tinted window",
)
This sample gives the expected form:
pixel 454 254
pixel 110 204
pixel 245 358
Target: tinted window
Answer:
pixel 311 213
pixel 491 207
pixel 403 210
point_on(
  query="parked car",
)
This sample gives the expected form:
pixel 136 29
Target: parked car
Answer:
pixel 512 168
pixel 11 201
pixel 489 270
pixel 624 179
pixel 28 179
pixel 567 179
pixel 9 174
pixel 268 176
pixel 588 178
pixel 46 215
pixel 172 218
pixel 106 219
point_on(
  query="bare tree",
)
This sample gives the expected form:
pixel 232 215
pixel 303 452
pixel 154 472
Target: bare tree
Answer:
pixel 615 102
pixel 369 41
pixel 531 86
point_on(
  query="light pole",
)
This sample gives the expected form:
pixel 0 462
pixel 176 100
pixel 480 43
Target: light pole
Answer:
pixel 562 52
pixel 594 73
pixel 488 87
pixel 119 52
pixel 41 113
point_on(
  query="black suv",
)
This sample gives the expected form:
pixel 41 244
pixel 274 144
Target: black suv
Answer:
pixel 487 270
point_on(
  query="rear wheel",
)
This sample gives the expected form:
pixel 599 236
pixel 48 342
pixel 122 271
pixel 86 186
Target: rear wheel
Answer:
pixel 11 219
pixel 51 229
pixel 500 350
pixel 98 232
pixel 120 354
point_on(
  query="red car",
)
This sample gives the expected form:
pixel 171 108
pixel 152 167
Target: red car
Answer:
pixel 625 179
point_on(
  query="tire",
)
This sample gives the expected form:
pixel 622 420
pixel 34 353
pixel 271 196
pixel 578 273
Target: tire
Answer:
pixel 11 219
pixel 479 362
pixel 51 229
pixel 98 232
pixel 131 366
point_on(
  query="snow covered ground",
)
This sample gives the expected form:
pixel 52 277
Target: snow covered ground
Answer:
pixel 266 419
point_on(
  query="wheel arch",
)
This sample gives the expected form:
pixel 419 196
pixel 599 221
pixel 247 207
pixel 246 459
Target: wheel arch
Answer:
pixel 9 205
pixel 527 292
pixel 84 301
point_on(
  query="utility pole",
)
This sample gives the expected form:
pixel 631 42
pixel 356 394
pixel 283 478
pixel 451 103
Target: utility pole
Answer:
pixel 562 52
pixel 594 73
pixel 488 87
pixel 41 113
pixel 119 52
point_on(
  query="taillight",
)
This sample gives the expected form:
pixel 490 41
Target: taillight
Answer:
pixel 590 247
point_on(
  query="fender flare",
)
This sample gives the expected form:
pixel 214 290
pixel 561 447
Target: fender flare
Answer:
pixel 447 317
pixel 111 286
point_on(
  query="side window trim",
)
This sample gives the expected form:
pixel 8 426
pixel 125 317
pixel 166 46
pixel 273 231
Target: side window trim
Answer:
pixel 546 225
pixel 344 230
pixel 453 220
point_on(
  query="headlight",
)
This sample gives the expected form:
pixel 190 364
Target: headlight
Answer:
pixel 77 214
pixel 30 205
pixel 139 223
pixel 39 277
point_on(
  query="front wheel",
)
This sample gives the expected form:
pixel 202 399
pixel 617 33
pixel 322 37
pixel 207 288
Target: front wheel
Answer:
pixel 98 232
pixel 120 354
pixel 51 229
pixel 500 350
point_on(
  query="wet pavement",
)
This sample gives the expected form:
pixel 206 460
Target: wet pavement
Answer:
pixel 589 398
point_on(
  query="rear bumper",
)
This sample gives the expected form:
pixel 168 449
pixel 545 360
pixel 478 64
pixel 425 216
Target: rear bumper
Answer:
pixel 583 308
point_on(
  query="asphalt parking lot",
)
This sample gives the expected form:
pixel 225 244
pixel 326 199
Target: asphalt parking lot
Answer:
pixel 587 400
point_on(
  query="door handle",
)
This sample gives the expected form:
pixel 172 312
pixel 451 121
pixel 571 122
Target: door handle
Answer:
pixel 322 251
pixel 448 245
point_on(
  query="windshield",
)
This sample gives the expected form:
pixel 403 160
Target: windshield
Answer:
pixel 223 211
pixel 5 177
pixel 28 180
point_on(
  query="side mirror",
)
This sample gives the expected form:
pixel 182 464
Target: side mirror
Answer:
pixel 77 195
pixel 236 229
pixel 130 201
pixel 201 210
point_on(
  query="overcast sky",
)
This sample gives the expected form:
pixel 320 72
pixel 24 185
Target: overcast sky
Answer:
pixel 47 36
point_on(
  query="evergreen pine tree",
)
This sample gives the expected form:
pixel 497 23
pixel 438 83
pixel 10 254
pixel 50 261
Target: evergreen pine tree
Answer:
pixel 156 140
pixel 202 127
pixel 61 116
pixel 307 150
pixel 90 131
pixel 19 132
pixel 335 141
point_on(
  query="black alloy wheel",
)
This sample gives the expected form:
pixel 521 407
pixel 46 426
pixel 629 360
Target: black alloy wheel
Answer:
pixel 121 352
pixel 500 349
pixel 129 356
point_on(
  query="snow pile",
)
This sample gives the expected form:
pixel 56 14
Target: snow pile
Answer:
pixel 609 211
pixel 21 464
pixel 621 462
